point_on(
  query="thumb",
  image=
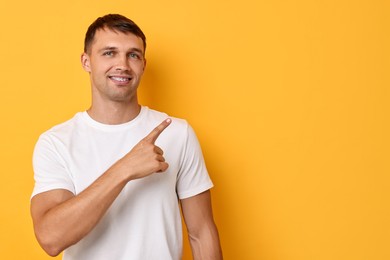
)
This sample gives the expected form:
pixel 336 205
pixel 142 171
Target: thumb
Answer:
pixel 155 133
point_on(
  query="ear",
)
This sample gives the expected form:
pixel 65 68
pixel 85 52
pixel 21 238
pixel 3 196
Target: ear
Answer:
pixel 85 62
pixel 144 64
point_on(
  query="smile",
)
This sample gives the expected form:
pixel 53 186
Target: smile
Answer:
pixel 120 79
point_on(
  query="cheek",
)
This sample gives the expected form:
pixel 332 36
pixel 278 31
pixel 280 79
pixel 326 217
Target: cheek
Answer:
pixel 100 70
pixel 101 65
pixel 139 69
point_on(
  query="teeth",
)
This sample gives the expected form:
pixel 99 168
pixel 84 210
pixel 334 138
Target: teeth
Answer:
pixel 120 79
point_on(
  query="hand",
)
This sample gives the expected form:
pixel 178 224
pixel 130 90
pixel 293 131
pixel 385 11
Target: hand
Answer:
pixel 145 158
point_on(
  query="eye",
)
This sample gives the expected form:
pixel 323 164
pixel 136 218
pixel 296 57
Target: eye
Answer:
pixel 134 55
pixel 108 53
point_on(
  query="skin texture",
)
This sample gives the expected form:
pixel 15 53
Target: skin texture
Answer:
pixel 115 63
pixel 114 54
pixel 202 231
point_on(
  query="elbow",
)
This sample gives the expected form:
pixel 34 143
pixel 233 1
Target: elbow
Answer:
pixel 50 248
pixel 206 232
pixel 49 244
pixel 52 251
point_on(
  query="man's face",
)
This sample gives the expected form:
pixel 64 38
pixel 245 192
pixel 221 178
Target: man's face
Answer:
pixel 116 62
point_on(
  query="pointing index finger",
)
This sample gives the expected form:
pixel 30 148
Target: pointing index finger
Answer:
pixel 155 133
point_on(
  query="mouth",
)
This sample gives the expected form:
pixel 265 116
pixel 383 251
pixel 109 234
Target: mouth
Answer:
pixel 120 79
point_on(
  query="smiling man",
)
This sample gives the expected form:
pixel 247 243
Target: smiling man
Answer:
pixel 109 181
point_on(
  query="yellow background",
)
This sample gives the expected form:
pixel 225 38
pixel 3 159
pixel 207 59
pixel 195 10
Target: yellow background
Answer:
pixel 290 101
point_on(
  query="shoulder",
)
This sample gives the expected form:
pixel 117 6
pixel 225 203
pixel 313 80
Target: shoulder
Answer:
pixel 61 131
pixel 176 134
pixel 155 117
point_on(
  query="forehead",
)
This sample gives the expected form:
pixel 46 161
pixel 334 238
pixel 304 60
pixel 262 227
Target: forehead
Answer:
pixel 107 38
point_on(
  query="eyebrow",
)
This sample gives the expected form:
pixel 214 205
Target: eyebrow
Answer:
pixel 109 48
pixel 137 50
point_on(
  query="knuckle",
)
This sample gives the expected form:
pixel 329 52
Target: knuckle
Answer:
pixel 156 166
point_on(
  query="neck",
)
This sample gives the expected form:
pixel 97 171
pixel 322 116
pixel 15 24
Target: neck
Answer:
pixel 114 113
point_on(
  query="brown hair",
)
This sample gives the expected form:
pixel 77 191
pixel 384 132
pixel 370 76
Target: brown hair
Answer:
pixel 115 22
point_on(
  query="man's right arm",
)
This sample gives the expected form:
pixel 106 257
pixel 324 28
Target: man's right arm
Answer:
pixel 61 219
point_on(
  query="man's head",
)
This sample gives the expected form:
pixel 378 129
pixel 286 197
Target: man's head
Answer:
pixel 114 56
pixel 114 22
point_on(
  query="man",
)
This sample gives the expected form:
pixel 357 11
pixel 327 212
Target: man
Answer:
pixel 109 179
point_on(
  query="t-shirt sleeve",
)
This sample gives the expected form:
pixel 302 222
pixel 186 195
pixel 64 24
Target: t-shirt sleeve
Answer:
pixel 193 177
pixel 50 170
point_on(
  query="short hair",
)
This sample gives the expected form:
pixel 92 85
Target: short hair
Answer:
pixel 115 22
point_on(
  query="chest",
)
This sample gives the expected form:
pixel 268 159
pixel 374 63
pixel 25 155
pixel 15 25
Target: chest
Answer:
pixel 91 154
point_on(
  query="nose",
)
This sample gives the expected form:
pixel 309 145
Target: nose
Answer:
pixel 122 64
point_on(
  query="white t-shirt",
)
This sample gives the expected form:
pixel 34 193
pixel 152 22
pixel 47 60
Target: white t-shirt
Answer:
pixel 144 221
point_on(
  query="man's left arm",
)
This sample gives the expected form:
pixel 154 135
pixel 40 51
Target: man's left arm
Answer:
pixel 202 231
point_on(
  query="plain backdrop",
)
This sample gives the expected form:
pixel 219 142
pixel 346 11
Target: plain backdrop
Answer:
pixel 289 99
